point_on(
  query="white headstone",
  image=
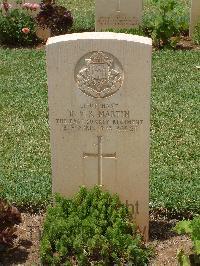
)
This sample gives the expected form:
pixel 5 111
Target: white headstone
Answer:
pixel 194 15
pixel 117 14
pixel 99 111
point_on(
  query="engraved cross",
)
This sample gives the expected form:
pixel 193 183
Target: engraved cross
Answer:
pixel 100 155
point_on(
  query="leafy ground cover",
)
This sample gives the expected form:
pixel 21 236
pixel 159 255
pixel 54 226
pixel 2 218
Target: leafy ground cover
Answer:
pixel 25 171
pixel 27 244
pixel 92 228
pixel 166 22
pixel 83 12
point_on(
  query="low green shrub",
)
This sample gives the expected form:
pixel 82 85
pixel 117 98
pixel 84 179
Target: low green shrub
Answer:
pixel 17 27
pixel 192 228
pixel 196 34
pixel 164 21
pixel 92 228
pixel 181 12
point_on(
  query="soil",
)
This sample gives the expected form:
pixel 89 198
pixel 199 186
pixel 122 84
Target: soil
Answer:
pixel 26 247
pixel 185 43
pixel 166 242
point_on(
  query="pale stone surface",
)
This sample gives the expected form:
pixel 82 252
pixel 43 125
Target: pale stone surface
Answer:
pixel 99 112
pixel 194 15
pixel 117 14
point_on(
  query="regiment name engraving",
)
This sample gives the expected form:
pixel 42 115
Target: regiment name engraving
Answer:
pixel 92 117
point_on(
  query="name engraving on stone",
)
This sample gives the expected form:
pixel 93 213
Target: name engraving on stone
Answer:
pixel 94 117
pixel 99 74
pixel 118 20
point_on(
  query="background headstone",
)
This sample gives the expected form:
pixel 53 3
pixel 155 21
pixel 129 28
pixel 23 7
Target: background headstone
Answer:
pixel 99 112
pixel 194 15
pixel 117 14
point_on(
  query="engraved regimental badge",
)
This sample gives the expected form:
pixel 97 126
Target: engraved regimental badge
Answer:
pixel 99 74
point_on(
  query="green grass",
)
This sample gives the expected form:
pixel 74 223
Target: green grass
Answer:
pixel 24 132
pixel 83 13
pixel 175 132
pixel 25 171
